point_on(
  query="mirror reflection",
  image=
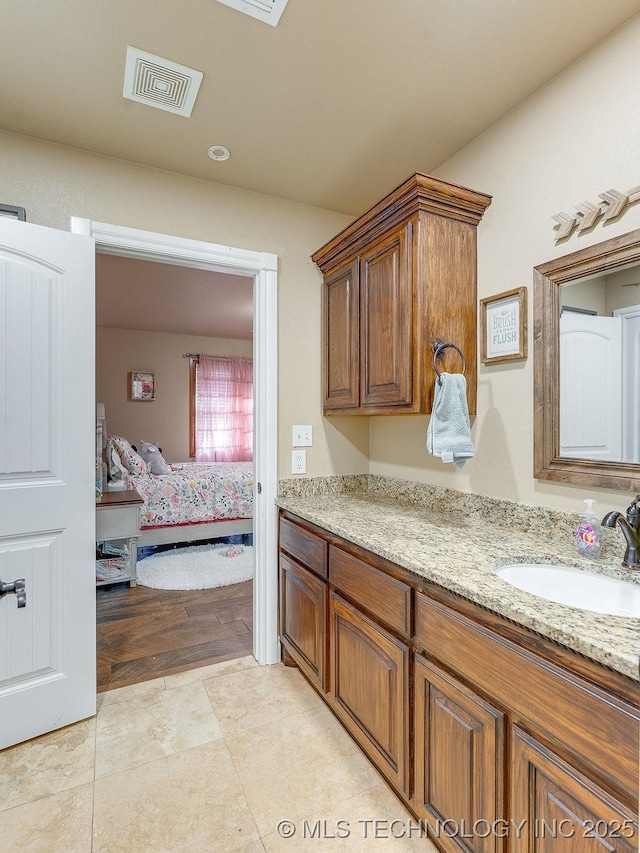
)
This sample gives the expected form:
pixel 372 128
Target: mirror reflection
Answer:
pixel 600 367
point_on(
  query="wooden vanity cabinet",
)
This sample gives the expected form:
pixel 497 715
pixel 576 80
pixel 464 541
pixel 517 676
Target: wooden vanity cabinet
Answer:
pixel 400 276
pixel 471 718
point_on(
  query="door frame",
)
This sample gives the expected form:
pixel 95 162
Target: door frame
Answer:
pixel 263 268
pixel 630 440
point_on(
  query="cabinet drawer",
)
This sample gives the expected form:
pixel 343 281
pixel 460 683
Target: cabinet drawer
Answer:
pixel 384 597
pixel 117 522
pixel 306 547
pixel 578 716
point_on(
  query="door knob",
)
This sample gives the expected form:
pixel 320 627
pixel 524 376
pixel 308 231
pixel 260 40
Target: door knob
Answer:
pixel 16 588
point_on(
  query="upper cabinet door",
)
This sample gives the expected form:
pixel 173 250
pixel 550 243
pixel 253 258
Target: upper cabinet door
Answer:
pixel 341 365
pixel 386 293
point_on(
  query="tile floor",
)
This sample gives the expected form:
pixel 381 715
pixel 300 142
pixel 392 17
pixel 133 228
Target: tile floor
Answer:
pixel 204 761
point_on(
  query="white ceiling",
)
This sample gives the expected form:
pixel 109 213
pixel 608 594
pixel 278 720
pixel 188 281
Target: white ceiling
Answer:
pixel 151 297
pixel 334 107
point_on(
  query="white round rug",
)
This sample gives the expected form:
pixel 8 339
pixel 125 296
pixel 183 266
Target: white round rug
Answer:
pixel 197 567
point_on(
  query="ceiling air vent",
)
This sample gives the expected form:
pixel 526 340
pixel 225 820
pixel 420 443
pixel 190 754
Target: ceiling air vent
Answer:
pixel 264 10
pixel 160 83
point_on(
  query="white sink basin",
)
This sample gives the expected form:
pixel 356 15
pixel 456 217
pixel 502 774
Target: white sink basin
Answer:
pixel 575 588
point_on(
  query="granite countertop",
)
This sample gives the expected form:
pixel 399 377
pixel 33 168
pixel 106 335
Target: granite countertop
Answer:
pixel 456 541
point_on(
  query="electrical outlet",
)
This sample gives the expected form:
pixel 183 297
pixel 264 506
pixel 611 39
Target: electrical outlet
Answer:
pixel 302 436
pixel 299 462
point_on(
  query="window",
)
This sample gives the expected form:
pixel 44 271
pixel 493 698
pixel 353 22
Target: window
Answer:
pixel 222 409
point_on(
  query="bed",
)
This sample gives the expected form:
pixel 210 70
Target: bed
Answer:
pixel 192 502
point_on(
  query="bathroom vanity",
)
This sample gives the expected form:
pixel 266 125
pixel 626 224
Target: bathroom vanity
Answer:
pixel 493 714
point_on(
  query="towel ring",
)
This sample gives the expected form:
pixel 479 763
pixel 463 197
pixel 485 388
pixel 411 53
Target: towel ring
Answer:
pixel 438 347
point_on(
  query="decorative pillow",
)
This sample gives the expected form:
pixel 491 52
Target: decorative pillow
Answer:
pixel 155 460
pixel 133 462
pixel 121 444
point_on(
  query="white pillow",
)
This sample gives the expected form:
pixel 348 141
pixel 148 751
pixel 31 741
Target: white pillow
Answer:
pixel 154 459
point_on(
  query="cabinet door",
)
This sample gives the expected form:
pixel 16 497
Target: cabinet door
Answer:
pixel 303 616
pixel 341 339
pixel 458 760
pixel 386 321
pixel 370 688
pixel 559 809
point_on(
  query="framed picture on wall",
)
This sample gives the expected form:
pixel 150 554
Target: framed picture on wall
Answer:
pixel 503 326
pixel 141 386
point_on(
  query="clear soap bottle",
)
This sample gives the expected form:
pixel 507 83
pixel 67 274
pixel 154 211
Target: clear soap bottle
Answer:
pixel 589 533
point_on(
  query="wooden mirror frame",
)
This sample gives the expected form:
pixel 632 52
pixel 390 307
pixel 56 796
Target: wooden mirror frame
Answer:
pixel 547 463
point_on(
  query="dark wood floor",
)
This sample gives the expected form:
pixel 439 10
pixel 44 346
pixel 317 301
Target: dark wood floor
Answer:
pixel 146 633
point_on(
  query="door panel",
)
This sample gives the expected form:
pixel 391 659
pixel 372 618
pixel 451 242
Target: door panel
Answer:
pixel 47 506
pixel 459 756
pixel 303 617
pixel 559 809
pixel 342 339
pixel 386 321
pixel 370 688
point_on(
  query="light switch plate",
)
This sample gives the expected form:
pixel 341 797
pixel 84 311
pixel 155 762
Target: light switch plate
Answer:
pixel 299 462
pixel 302 436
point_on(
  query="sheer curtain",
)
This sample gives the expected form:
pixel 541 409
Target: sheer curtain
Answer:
pixel 224 409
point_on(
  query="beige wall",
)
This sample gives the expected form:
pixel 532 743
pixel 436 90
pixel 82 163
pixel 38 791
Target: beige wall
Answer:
pixel 574 139
pixel 54 183
pixel 165 420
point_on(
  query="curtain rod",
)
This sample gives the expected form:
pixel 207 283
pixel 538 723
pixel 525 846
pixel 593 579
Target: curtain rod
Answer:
pixel 191 355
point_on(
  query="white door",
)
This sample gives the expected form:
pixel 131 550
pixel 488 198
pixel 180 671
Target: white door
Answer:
pixel 590 386
pixel 47 479
pixel 630 382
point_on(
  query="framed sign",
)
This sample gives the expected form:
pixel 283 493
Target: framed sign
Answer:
pixel 503 325
pixel 142 386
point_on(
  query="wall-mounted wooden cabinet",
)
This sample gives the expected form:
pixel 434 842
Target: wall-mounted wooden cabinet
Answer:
pixel 399 277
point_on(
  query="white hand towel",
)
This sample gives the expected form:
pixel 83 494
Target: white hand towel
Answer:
pixel 449 431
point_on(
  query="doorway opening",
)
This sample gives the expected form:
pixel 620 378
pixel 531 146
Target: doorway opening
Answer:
pixel 163 320
pixel 262 269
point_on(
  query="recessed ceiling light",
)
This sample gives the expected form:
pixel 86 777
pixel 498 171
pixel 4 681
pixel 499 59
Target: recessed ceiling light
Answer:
pixel 219 152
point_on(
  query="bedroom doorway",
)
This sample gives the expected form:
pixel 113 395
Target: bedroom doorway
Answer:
pixel 261 269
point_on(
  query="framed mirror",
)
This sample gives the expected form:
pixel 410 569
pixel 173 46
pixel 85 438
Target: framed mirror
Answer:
pixel 587 366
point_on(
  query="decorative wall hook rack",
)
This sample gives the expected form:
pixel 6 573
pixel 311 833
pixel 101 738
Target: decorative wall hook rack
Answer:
pixel 612 204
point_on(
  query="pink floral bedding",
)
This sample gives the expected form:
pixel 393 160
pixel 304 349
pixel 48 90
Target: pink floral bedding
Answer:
pixel 198 492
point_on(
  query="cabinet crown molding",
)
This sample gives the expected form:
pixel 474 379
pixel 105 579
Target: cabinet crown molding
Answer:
pixel 418 193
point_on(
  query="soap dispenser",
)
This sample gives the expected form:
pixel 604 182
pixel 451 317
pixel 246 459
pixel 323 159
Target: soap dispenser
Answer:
pixel 588 533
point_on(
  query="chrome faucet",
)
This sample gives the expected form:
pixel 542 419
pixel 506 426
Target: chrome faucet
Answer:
pixel 630 527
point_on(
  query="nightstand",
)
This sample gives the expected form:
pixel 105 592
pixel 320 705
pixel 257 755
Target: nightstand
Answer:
pixel 118 521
